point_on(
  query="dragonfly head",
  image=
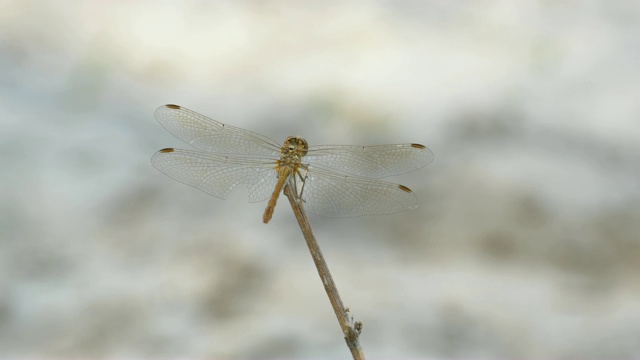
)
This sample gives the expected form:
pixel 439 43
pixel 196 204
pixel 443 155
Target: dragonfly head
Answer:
pixel 294 145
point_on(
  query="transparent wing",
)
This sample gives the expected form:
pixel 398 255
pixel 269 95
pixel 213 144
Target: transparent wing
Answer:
pixel 370 161
pixel 217 175
pixel 209 135
pixel 328 194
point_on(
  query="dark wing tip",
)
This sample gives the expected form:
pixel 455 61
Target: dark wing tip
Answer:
pixel 167 150
pixel 172 106
pixel 425 151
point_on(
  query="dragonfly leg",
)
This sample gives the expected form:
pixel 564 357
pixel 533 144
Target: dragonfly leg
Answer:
pixel 303 180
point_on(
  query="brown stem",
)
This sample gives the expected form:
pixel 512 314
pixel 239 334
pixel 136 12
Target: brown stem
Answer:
pixel 350 328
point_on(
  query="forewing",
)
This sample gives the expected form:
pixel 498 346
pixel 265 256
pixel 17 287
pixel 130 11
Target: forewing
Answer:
pixel 370 161
pixel 217 175
pixel 209 135
pixel 327 194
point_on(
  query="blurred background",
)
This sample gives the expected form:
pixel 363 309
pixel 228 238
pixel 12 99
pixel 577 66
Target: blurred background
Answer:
pixel 525 245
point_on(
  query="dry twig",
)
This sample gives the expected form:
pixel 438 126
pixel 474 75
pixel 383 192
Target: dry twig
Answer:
pixel 350 328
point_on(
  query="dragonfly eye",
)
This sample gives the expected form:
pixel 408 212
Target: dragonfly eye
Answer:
pixel 293 142
pixel 303 146
pixel 296 144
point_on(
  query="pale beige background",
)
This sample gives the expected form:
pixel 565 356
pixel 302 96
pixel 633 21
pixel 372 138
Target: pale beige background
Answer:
pixel 526 243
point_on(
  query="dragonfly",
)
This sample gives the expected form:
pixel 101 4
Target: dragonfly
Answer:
pixel 331 180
